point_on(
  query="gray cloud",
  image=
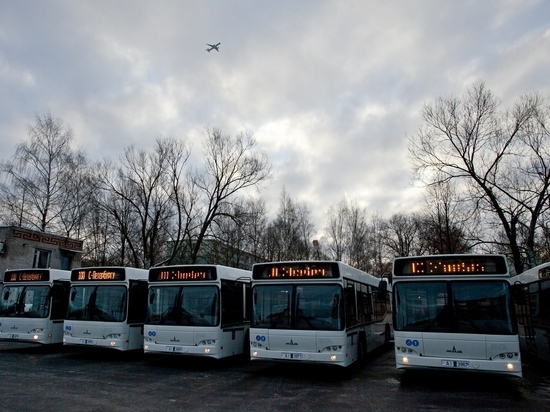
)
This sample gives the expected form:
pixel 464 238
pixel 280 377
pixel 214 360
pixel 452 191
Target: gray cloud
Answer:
pixel 330 89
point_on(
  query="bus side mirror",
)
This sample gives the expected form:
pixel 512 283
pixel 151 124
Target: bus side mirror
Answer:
pixel 382 289
pixel 6 294
pixel 73 295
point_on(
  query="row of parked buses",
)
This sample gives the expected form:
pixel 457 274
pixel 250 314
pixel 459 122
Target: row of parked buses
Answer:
pixel 319 311
pixel 446 311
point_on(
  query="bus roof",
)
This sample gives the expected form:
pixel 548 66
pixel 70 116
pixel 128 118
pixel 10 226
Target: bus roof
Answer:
pixel 197 272
pixel 105 273
pixel 536 273
pixel 44 274
pixel 451 265
pixel 310 270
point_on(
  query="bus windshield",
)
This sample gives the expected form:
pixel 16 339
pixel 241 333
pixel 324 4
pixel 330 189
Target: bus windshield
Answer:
pixel 303 307
pixel 25 301
pixel 97 303
pixel 480 307
pixel 184 306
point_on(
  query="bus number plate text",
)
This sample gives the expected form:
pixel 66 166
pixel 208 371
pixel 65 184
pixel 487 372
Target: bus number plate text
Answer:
pixel 86 341
pixel 292 355
pixel 455 364
pixel 174 349
pixel 13 336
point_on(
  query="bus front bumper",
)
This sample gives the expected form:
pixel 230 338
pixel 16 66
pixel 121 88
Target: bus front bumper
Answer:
pixel 210 351
pixel 506 367
pixel 334 358
pixel 119 344
pixel 33 337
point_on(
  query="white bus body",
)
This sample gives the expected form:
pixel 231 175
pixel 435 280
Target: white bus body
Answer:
pixel 198 310
pixel 533 310
pixel 107 308
pixel 455 312
pixel 322 312
pixel 33 304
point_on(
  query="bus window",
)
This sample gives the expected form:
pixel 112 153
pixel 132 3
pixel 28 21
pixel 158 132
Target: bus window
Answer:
pixel 482 307
pixel 37 301
pixel 422 306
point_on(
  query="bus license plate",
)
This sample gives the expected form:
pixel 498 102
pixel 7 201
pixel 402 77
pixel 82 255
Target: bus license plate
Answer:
pixel 86 341
pixel 292 355
pixel 455 364
pixel 13 336
pixel 174 349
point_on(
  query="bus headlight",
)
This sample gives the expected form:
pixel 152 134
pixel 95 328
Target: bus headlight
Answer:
pixel 255 344
pixel 332 348
pixel 404 350
pixel 207 342
pixel 113 336
pixel 509 355
pixel 36 330
pixel 510 367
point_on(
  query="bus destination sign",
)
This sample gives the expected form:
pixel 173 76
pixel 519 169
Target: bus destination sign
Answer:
pixel 296 270
pixel 450 265
pixel 26 276
pixel 98 274
pixel 182 273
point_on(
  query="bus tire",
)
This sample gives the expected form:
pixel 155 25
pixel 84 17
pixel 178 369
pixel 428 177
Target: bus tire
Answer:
pixel 246 346
pixel 362 349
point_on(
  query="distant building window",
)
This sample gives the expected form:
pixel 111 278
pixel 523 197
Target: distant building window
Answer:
pixel 66 261
pixel 41 258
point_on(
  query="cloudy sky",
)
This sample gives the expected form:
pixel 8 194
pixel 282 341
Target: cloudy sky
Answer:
pixel 330 89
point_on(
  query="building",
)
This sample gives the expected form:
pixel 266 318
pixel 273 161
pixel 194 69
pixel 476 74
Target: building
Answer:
pixel 23 248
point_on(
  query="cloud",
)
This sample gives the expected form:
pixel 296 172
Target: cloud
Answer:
pixel 329 89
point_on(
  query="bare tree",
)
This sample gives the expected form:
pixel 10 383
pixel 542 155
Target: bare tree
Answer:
pixel 141 197
pixel 401 235
pixel 35 188
pixel 289 236
pixel 232 164
pixel 335 243
pixel 349 235
pixel 444 226
pixel 499 161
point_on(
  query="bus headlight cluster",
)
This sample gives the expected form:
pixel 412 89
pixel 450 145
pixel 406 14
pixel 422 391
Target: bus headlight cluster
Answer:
pixel 207 342
pixel 509 355
pixel 67 333
pixel 332 348
pixel 148 338
pixel 36 330
pixel 113 336
pixel 256 344
pixel 403 349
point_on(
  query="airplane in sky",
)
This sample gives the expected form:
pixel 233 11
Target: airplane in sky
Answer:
pixel 213 47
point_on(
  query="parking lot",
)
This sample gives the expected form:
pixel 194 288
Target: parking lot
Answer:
pixel 35 378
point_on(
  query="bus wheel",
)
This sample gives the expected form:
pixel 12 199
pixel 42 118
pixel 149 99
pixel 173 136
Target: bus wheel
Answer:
pixel 387 334
pixel 362 349
pixel 246 346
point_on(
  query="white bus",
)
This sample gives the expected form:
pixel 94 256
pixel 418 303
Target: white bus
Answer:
pixel 198 310
pixel 455 312
pixel 33 304
pixel 323 312
pixel 107 308
pixel 532 299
